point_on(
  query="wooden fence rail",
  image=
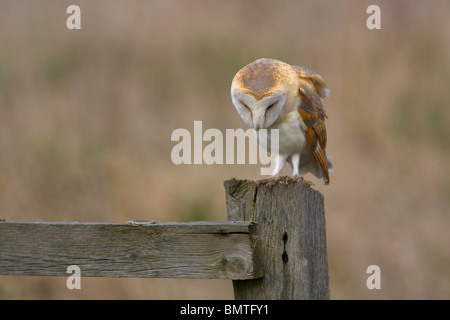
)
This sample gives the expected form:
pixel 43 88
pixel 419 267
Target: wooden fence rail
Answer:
pixel 272 246
pixel 137 249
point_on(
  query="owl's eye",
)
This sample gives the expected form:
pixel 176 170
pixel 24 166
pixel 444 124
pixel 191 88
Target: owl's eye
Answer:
pixel 271 106
pixel 246 106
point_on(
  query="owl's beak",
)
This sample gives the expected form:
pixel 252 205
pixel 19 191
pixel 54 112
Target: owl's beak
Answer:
pixel 259 118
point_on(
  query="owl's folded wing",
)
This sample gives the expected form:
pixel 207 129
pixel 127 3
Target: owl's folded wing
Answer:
pixel 312 112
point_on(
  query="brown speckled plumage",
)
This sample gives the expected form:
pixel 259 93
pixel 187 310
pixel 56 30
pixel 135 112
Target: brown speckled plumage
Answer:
pixel 260 77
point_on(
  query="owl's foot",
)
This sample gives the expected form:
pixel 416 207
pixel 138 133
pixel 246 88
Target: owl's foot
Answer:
pixel 270 182
pixel 297 178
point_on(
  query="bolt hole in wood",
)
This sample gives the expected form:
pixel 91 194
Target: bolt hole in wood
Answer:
pixel 284 256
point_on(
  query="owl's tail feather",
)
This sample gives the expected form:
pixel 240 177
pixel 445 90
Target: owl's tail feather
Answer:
pixel 326 178
pixel 330 164
pixel 323 162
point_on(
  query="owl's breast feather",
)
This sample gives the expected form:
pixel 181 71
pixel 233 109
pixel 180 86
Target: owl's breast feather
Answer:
pixel 291 137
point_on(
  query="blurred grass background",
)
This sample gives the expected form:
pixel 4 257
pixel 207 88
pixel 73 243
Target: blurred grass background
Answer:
pixel 86 118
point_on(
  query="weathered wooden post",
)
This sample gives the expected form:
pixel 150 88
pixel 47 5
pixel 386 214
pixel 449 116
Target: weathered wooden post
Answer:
pixel 291 239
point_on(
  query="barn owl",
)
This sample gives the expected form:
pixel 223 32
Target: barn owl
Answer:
pixel 270 94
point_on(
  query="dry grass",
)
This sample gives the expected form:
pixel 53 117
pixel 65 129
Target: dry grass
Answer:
pixel 86 118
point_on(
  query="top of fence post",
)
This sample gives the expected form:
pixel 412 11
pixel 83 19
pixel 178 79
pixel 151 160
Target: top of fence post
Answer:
pixel 290 228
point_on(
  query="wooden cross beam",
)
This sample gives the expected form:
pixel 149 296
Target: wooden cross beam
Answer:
pixel 222 250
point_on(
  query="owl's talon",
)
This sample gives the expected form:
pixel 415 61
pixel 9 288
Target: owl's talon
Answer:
pixel 272 181
pixel 309 183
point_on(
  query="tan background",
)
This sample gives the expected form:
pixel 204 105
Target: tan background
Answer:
pixel 86 118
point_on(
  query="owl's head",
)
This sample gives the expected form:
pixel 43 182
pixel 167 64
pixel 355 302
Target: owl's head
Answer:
pixel 263 89
pixel 258 93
